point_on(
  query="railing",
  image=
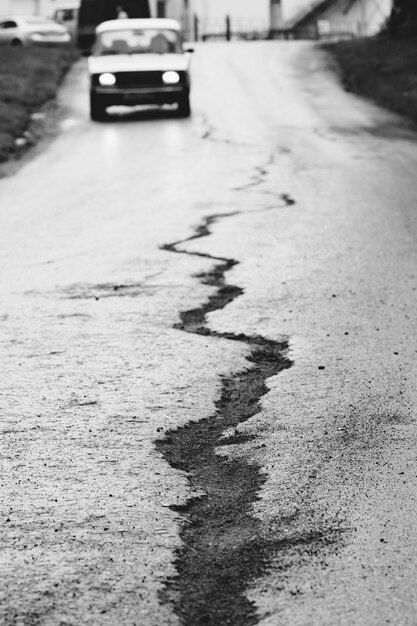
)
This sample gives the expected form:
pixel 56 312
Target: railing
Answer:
pixel 246 30
pixel 235 36
pixel 229 29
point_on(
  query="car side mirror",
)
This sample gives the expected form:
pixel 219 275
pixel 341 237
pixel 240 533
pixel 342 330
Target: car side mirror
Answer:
pixel 190 50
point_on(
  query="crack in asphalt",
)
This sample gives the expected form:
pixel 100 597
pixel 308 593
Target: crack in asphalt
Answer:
pixel 209 134
pixel 224 547
pixel 261 171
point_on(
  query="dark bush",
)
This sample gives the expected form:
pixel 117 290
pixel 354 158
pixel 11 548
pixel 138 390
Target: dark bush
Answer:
pixel 382 69
pixel 403 19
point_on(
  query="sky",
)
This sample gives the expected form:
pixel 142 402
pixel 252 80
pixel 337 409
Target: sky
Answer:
pixel 257 10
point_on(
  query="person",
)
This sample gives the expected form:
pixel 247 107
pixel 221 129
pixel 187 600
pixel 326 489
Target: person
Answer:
pixel 121 13
pixel 159 44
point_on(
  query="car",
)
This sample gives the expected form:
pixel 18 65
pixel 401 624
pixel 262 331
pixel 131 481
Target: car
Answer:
pixel 68 17
pixel 139 61
pixel 32 30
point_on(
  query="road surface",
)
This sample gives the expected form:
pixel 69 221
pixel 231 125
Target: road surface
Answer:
pixel 209 357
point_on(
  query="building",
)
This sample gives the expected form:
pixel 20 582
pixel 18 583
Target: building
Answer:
pixel 26 7
pixel 333 18
pixel 180 10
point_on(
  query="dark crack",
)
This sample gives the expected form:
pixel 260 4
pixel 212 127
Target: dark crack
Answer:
pixel 259 177
pixel 209 133
pixel 285 202
pixel 289 201
pixel 224 547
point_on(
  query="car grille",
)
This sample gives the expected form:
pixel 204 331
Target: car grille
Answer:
pixel 139 79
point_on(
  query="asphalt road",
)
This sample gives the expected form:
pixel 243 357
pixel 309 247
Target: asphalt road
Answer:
pixel 250 272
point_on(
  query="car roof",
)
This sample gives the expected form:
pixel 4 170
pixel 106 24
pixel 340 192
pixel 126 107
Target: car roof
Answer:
pixel 149 22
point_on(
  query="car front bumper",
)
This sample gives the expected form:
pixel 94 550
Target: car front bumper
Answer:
pixel 50 40
pixel 155 95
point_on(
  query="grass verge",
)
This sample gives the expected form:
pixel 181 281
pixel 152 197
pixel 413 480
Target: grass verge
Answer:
pixel 382 69
pixel 29 77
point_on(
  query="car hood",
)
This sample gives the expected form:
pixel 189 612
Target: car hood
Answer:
pixel 138 63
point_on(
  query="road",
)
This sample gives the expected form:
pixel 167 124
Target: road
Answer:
pixel 208 357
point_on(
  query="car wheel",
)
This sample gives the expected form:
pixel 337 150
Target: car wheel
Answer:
pixel 184 108
pixel 16 43
pixel 97 108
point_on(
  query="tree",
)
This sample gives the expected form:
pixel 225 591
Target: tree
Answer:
pixel 403 17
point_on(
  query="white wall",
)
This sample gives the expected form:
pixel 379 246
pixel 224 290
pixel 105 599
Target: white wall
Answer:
pixel 255 12
pixel 34 7
pixel 24 7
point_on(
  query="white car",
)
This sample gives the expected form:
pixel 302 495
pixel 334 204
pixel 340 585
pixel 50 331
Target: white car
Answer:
pixel 139 61
pixel 32 30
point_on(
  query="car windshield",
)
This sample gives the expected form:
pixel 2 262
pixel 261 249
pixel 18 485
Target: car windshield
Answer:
pixel 138 41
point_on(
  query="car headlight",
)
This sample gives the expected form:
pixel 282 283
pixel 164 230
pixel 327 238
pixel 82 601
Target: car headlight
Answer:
pixel 107 79
pixel 171 78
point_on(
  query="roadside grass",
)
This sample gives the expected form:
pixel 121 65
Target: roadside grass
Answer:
pixel 382 69
pixel 29 77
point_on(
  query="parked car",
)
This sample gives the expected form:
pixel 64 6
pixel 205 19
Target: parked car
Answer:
pixel 68 17
pixel 32 30
pixel 139 61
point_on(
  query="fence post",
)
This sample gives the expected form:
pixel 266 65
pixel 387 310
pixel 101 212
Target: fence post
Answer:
pixel 228 28
pixel 196 24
